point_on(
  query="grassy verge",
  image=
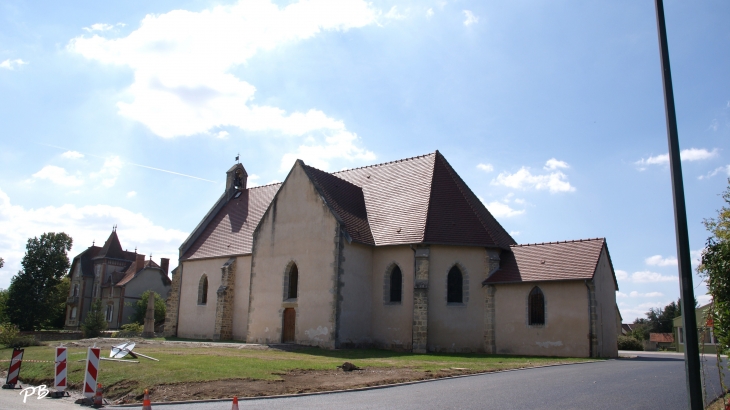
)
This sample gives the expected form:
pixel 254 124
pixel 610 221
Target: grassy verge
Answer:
pixel 184 364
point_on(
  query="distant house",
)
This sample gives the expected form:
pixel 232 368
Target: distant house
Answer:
pixel 662 340
pixel 626 328
pixel 116 277
pixel 707 339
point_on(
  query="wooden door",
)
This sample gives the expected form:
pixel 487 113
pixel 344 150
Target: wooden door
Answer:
pixel 287 333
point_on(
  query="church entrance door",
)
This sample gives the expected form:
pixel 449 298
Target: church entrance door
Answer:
pixel 287 334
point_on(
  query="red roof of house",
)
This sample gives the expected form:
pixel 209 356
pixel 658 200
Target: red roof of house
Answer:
pixel 661 337
pixel 568 260
pixel 414 200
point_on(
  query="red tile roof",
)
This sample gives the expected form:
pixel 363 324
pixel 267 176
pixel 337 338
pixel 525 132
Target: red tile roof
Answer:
pixel 568 260
pixel 414 200
pixel 230 232
pixel 661 337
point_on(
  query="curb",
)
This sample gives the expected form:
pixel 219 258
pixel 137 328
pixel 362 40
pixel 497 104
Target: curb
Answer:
pixel 382 386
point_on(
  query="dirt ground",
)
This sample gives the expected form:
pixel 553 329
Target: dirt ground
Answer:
pixel 297 381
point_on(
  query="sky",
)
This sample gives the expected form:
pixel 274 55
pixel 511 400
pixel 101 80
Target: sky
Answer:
pixel 130 113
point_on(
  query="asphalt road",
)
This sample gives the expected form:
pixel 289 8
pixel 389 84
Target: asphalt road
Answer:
pixel 649 381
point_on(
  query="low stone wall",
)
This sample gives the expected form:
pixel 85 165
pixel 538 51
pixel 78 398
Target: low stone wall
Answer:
pixel 50 336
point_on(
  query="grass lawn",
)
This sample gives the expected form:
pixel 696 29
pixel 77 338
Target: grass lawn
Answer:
pixel 185 364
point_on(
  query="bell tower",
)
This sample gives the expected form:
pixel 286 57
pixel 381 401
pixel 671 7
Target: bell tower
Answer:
pixel 236 178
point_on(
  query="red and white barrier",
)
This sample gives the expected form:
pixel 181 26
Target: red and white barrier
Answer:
pixel 14 370
pixel 60 366
pixel 92 370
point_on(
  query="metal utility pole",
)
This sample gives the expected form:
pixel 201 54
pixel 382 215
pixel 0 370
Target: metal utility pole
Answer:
pixel 689 321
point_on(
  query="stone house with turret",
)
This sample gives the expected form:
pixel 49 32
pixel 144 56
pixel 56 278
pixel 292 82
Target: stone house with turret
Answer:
pixel 400 255
pixel 116 277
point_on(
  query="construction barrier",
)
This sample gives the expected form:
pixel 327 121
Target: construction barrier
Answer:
pixel 235 403
pixel 92 370
pixel 59 383
pixel 14 370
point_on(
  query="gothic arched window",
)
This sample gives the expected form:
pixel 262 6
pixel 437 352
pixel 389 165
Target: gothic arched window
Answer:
pixel 203 290
pixel 455 286
pixel 292 288
pixel 396 285
pixel 536 307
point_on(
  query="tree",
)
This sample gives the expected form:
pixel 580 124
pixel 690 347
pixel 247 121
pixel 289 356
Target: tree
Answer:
pixel 140 309
pixel 715 269
pixel 95 322
pixel 57 315
pixel 2 262
pixel 33 291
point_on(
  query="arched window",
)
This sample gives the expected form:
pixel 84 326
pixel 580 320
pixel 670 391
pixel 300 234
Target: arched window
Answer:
pixel 291 291
pixel 396 285
pixel 203 290
pixel 73 312
pixel 76 290
pixel 536 306
pixel 455 286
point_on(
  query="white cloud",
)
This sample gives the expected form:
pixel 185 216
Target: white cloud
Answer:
pixel 486 167
pixel 714 125
pixel 514 233
pixel 205 94
pixel 222 134
pixel 251 182
pixel 553 164
pixel 555 181
pixel 109 171
pixel 725 169
pixel 72 155
pixel 635 294
pixel 131 194
pixel 704 299
pixel 689 154
pixel 98 27
pixel 621 295
pixel 621 274
pixel 520 201
pixel 319 154
pixel 502 210
pixel 650 277
pixel 12 64
pixel 657 260
pixel 429 13
pixel 394 14
pixel 84 224
pixel 470 18
pixel 58 175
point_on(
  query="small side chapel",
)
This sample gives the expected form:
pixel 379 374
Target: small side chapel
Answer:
pixel 400 255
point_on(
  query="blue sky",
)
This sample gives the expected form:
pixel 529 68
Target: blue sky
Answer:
pixel 551 111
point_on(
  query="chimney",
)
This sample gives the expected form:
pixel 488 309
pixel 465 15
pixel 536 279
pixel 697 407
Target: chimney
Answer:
pixel 140 263
pixel 165 264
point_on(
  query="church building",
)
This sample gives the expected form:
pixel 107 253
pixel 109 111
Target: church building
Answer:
pixel 400 255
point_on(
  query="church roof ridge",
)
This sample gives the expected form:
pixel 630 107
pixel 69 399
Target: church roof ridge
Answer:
pixel 384 163
pixel 556 242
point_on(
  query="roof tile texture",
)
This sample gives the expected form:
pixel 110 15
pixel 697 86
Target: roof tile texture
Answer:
pixel 408 201
pixel 569 260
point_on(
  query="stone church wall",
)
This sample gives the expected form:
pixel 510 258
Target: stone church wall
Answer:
pixel 456 327
pixel 392 322
pixel 566 320
pixel 297 228
pixel 355 301
pixel 198 321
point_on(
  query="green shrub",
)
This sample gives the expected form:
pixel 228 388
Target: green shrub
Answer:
pixel 629 343
pixel 130 330
pixel 95 322
pixel 8 332
pixel 24 341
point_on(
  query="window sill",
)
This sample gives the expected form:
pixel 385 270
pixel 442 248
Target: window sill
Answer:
pixel 393 303
pixel 455 304
pixel 536 326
